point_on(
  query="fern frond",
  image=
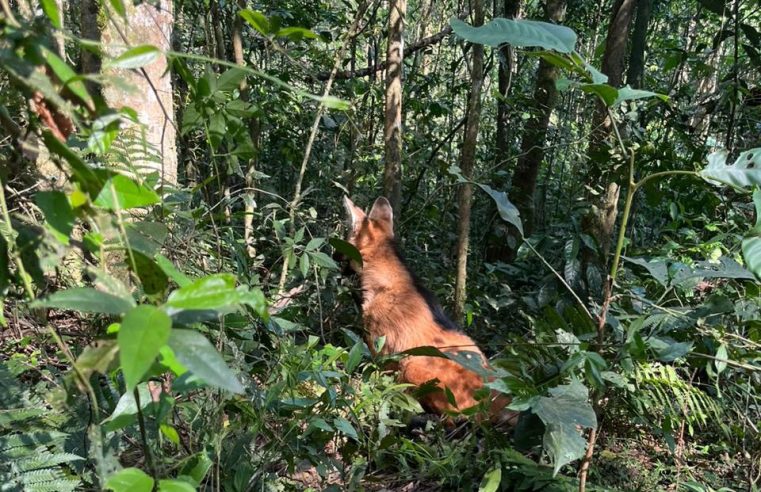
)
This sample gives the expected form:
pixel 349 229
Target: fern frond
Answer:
pixel 10 445
pixel 11 417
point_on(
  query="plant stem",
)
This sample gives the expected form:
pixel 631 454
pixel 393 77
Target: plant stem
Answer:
pixel 144 437
pixel 6 233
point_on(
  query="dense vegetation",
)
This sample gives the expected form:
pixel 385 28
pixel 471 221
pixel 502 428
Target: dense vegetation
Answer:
pixel 582 194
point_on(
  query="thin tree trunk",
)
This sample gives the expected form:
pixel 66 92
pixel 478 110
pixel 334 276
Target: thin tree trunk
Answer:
pixel 535 134
pixel 600 224
pixel 467 163
pixel 509 10
pixel 392 130
pixel 634 76
pixel 152 98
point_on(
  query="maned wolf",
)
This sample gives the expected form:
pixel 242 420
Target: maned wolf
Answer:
pixel 395 305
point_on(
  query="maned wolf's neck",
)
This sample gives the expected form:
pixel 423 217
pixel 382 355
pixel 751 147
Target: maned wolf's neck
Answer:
pixel 384 273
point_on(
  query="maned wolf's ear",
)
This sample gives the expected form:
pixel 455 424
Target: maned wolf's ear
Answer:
pixel 382 212
pixel 356 215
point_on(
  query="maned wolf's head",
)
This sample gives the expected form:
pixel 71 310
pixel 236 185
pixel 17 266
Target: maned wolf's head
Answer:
pixel 368 232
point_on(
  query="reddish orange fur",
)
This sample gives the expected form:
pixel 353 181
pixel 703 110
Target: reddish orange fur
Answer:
pixel 393 307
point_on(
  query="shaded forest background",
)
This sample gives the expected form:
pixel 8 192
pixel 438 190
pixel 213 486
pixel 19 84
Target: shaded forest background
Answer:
pixel 584 200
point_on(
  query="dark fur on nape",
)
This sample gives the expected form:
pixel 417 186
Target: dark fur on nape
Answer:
pixel 439 316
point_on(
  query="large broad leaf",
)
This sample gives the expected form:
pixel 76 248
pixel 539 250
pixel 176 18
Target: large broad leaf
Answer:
pixel 86 300
pixel 658 269
pixel 257 20
pixel 724 268
pixel 667 349
pixel 122 193
pixel 196 353
pixel 507 210
pixel 566 409
pixel 751 245
pixel 212 292
pixel 626 93
pixel 520 33
pixel 175 486
pixel 59 217
pixel 607 94
pixel 743 173
pixel 130 480
pixel 346 249
pixel 136 57
pixel 144 330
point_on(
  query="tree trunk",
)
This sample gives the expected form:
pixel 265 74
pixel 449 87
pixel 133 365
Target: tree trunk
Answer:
pixel 152 84
pixel 535 134
pixel 467 163
pixel 634 76
pixel 392 130
pixel 510 10
pixel 603 216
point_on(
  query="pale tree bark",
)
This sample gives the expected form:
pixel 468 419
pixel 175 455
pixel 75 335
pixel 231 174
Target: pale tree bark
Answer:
pixel 392 130
pixel 249 196
pixel 467 163
pixel 523 186
pixel 151 86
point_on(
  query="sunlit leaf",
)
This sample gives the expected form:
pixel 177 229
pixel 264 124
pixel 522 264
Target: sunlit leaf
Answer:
pixel 211 292
pixel 257 20
pixel 130 480
pixel 86 300
pixel 743 173
pixel 51 10
pixel 145 329
pixel 59 217
pixel 123 193
pixel 507 210
pixel 136 57
pixel 521 33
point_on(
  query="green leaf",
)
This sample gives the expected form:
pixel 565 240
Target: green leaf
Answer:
pixel 605 92
pixel 196 353
pixel 81 171
pixel 566 409
pixel 721 358
pixel 126 409
pixel 667 349
pixel 323 260
pixel 230 79
pixel 492 480
pixel 347 249
pixel 145 329
pixel 136 57
pixel 130 480
pixel 51 10
pixel 172 272
pixel 175 486
pixel 118 6
pixel 67 75
pixel 355 357
pixel 658 269
pixel 295 33
pixel 146 237
pixel 86 300
pixel 743 173
pixel 626 93
pixel 59 217
pixel 123 193
pixel 257 20
pixel 520 33
pixel 751 244
pixel 170 433
pixel 345 426
pixel 210 292
pixel 507 210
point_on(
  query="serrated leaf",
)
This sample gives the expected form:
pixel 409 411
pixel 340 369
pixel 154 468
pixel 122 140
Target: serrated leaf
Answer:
pixel 144 330
pixel 59 217
pixel 200 357
pixel 136 57
pixel 520 33
pixel 129 480
pixel 123 193
pixel 86 300
pixel 743 173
